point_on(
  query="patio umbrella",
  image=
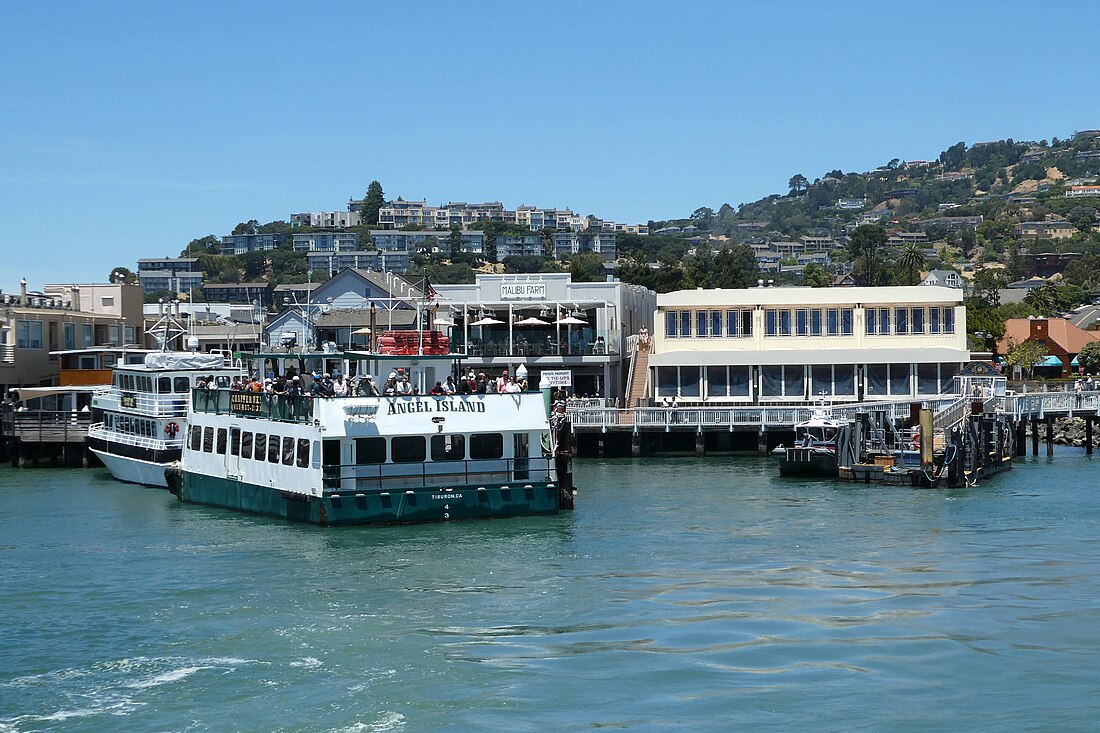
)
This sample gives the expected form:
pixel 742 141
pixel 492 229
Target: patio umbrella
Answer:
pixel 532 321
pixel 364 331
pixel 486 321
pixel 571 321
pixel 441 321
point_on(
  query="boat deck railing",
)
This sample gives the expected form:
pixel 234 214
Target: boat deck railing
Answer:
pixel 101 432
pixel 145 403
pixel 469 472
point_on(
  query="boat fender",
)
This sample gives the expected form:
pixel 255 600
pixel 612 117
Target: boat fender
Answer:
pixel 171 429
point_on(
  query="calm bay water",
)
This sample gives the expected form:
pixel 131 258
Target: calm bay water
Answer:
pixel 683 594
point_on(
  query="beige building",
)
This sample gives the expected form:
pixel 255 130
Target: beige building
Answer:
pixel 34 324
pixel 788 344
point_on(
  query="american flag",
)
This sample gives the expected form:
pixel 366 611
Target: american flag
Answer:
pixel 428 290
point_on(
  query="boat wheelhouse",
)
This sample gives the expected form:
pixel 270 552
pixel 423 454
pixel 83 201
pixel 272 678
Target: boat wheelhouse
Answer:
pixel 370 460
pixel 814 452
pixel 144 411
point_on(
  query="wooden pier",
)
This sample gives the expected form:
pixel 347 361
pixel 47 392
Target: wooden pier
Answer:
pixel 45 438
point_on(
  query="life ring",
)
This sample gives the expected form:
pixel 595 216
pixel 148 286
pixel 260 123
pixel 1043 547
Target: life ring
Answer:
pixel 171 429
pixel 914 441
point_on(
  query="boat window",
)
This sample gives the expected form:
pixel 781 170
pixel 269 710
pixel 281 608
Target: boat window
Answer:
pixel 208 440
pixel 222 381
pixel 181 385
pixel 273 449
pixel 222 433
pixel 261 447
pixel 164 385
pixel 288 451
pixel 196 437
pixel 303 452
pixel 408 449
pixel 448 447
pixel 246 444
pixel 235 441
pixel 370 450
pixel 486 445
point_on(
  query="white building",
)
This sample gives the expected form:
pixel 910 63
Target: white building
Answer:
pixel 786 344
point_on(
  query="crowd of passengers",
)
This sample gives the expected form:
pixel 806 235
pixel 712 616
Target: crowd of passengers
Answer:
pixel 397 384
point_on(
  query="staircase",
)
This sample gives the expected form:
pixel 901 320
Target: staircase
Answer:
pixel 639 372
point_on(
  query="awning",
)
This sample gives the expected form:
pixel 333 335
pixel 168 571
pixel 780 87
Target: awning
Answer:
pixel 1075 362
pixel 1050 361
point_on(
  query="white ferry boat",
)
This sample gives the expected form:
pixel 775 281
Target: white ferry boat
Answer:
pixel 144 410
pixel 374 460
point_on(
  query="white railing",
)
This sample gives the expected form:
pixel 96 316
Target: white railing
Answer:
pixel 1036 405
pixel 98 430
pixel 143 403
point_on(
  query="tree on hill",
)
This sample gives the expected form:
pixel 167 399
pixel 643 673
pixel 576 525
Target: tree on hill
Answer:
pixel 735 267
pixel 586 267
pixel 816 276
pixel 988 283
pixel 798 183
pixel 954 157
pixel 246 227
pixel 208 245
pixel 122 275
pixel 372 203
pixel 867 245
pixel 1044 299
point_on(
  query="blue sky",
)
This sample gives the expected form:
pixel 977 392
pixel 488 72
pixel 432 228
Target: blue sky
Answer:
pixel 128 129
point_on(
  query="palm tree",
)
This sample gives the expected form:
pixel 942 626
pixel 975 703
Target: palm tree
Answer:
pixel 912 261
pixel 1044 299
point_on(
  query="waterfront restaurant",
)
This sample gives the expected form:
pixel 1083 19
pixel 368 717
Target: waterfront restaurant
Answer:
pixel 796 344
pixel 547 322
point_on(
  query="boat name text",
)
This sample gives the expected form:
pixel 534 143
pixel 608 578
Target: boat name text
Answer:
pixel 405 408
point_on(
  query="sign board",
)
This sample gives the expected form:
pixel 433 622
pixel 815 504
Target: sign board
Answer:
pixel 523 291
pixel 557 377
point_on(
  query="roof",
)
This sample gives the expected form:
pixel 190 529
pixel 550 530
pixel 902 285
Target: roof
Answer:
pixel 1060 332
pixel 383 319
pixel 255 286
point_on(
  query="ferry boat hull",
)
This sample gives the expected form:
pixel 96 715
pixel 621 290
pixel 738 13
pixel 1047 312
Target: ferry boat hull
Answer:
pixel 133 470
pixel 398 506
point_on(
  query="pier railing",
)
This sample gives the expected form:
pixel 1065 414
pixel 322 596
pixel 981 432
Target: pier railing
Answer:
pixel 47 426
pixel 678 418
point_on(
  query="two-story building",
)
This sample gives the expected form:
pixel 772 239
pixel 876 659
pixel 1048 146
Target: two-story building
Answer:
pixel 34 324
pixel 788 344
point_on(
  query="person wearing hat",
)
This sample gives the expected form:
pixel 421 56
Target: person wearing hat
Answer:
pixel 294 387
pixel 366 387
pixel 390 387
pixel 502 381
pixel 404 388
pixel 482 384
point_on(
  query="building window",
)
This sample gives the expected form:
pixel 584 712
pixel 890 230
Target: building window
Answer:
pixel 716 323
pixel 815 322
pixel 685 324
pixel 846 321
pixel 834 321
pixel 872 321
pixel 934 320
pixel 802 322
pixel 785 323
pixel 85 335
pixel 916 322
pixel 690 381
pixel 70 336
pixel 899 380
pixel 877 380
pixel 666 381
pixel 771 322
pixel 700 323
pixel 949 320
pixel 739 381
pixel 671 321
pixel 901 321
pixel 716 381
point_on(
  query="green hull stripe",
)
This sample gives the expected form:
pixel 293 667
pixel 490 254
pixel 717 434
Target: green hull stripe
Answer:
pixel 375 507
